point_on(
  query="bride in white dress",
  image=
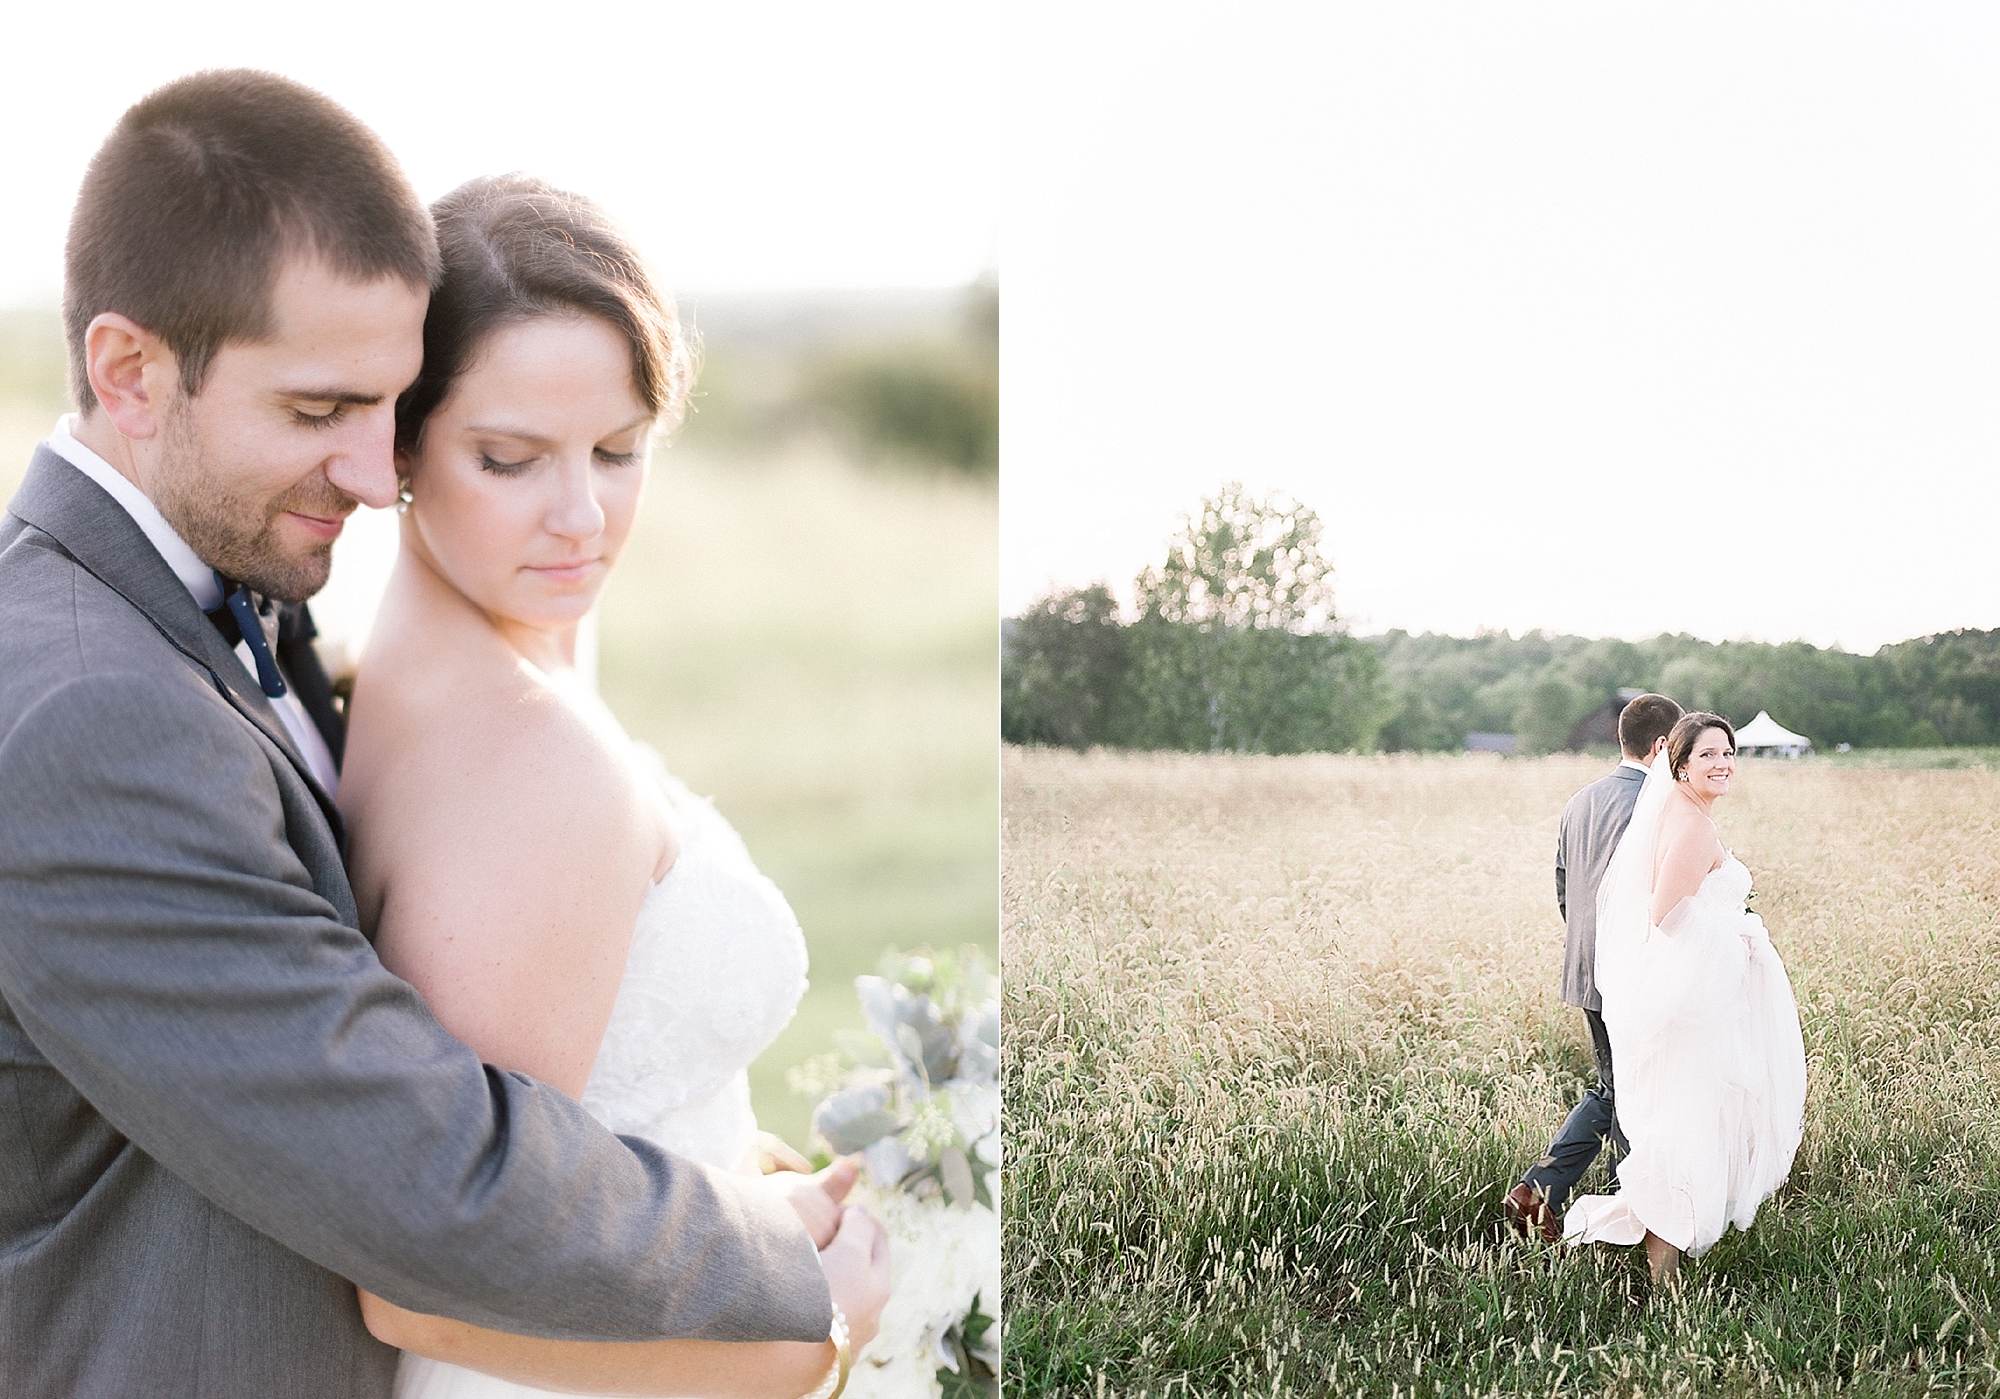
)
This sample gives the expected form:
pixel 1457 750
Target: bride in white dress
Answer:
pixel 1703 1026
pixel 629 952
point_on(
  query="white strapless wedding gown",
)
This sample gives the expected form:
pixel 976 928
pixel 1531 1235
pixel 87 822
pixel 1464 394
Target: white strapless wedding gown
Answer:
pixel 716 969
pixel 1710 1073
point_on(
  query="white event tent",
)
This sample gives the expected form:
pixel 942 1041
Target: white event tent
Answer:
pixel 1765 737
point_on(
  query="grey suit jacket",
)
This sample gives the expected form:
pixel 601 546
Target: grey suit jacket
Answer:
pixel 1591 824
pixel 215 1105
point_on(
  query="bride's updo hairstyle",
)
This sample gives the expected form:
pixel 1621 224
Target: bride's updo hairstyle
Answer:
pixel 1680 743
pixel 515 249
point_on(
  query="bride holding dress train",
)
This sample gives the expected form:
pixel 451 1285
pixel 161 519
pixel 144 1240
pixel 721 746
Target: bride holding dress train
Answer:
pixel 1702 1021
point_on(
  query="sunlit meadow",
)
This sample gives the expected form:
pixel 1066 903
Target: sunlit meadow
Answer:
pixel 1280 1032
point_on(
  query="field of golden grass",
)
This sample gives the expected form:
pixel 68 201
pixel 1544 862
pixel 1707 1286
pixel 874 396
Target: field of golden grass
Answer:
pixel 1281 1032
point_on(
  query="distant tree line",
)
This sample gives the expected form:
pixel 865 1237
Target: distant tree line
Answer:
pixel 1936 691
pixel 934 399
pixel 921 389
pixel 1234 648
pixel 1073 674
pixel 918 389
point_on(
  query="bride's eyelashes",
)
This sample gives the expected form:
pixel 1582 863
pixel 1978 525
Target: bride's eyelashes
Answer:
pixel 504 468
pixel 515 468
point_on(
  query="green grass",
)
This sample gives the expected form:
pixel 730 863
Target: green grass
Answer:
pixel 1281 1033
pixel 1354 1251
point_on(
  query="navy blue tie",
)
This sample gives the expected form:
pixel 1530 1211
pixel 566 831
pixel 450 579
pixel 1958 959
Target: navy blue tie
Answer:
pixel 249 627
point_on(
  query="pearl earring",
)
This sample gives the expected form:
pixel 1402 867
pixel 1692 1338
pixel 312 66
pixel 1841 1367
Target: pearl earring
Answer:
pixel 403 496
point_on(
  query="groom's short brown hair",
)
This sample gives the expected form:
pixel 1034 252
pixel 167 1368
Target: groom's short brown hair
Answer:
pixel 200 193
pixel 1644 721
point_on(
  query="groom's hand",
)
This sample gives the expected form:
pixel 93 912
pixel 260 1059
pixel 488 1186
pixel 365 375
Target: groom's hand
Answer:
pixel 857 1273
pixel 817 1197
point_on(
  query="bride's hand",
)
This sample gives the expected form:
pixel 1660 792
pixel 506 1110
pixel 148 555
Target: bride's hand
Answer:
pixel 817 1197
pixel 857 1273
pixel 774 1153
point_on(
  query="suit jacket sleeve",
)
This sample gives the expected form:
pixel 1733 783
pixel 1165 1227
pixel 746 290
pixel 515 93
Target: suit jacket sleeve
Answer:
pixel 1562 875
pixel 163 946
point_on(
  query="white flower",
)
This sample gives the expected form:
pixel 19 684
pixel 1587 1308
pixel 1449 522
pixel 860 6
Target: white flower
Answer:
pixel 941 1258
pixel 975 1111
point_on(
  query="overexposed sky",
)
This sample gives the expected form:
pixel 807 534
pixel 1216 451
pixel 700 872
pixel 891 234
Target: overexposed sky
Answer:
pixel 1597 318
pixel 747 146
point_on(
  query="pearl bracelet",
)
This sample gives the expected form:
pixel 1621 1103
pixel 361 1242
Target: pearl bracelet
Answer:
pixel 843 1362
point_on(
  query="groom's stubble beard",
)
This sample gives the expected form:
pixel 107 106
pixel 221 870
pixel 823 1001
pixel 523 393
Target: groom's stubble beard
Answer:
pixel 233 530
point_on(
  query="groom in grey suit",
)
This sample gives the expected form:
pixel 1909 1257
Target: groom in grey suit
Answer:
pixel 1587 835
pixel 218 1112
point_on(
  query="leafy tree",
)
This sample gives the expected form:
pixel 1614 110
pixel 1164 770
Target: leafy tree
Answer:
pixel 920 401
pixel 1236 648
pixel 1548 711
pixel 1937 689
pixel 935 399
pixel 1064 671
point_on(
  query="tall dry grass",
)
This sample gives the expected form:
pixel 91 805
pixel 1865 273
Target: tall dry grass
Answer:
pixel 1280 1032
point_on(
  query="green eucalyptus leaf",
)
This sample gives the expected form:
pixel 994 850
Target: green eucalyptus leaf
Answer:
pixel 956 1173
pixel 855 1118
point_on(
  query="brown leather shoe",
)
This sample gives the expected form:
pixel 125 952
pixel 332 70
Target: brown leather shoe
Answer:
pixel 1530 1214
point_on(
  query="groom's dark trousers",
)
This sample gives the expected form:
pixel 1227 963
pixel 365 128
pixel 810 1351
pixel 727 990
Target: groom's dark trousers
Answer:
pixel 216 1107
pixel 1591 826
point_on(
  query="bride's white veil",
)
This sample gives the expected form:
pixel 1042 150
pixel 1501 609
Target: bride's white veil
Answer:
pixel 1625 906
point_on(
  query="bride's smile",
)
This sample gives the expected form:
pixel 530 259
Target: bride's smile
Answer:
pixel 1709 768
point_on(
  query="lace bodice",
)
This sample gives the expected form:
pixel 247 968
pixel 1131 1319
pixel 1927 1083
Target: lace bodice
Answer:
pixel 716 968
pixel 1727 885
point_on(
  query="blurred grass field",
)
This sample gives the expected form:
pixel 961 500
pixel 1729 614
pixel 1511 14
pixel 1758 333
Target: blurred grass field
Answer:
pixel 814 645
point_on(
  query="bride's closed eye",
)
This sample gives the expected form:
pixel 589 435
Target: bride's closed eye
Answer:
pixel 504 468
pixel 515 468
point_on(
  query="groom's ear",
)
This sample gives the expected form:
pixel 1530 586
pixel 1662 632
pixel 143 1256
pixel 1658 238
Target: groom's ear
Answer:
pixel 132 372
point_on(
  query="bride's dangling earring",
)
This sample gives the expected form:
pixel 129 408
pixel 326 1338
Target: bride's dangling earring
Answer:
pixel 403 496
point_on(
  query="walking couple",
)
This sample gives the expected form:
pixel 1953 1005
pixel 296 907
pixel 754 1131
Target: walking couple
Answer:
pixel 1682 991
pixel 307 1060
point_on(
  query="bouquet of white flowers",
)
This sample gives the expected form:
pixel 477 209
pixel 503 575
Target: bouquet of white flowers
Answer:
pixel 918 1096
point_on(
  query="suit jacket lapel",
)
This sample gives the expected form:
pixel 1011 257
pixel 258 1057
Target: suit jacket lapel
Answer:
pixel 94 529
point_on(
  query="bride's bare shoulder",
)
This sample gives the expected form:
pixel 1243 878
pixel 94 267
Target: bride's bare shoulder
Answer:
pixel 471 760
pixel 1683 827
pixel 500 848
pixel 1679 816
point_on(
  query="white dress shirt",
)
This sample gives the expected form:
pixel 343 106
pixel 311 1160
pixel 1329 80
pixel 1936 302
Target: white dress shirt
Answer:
pixel 200 581
pixel 1625 762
